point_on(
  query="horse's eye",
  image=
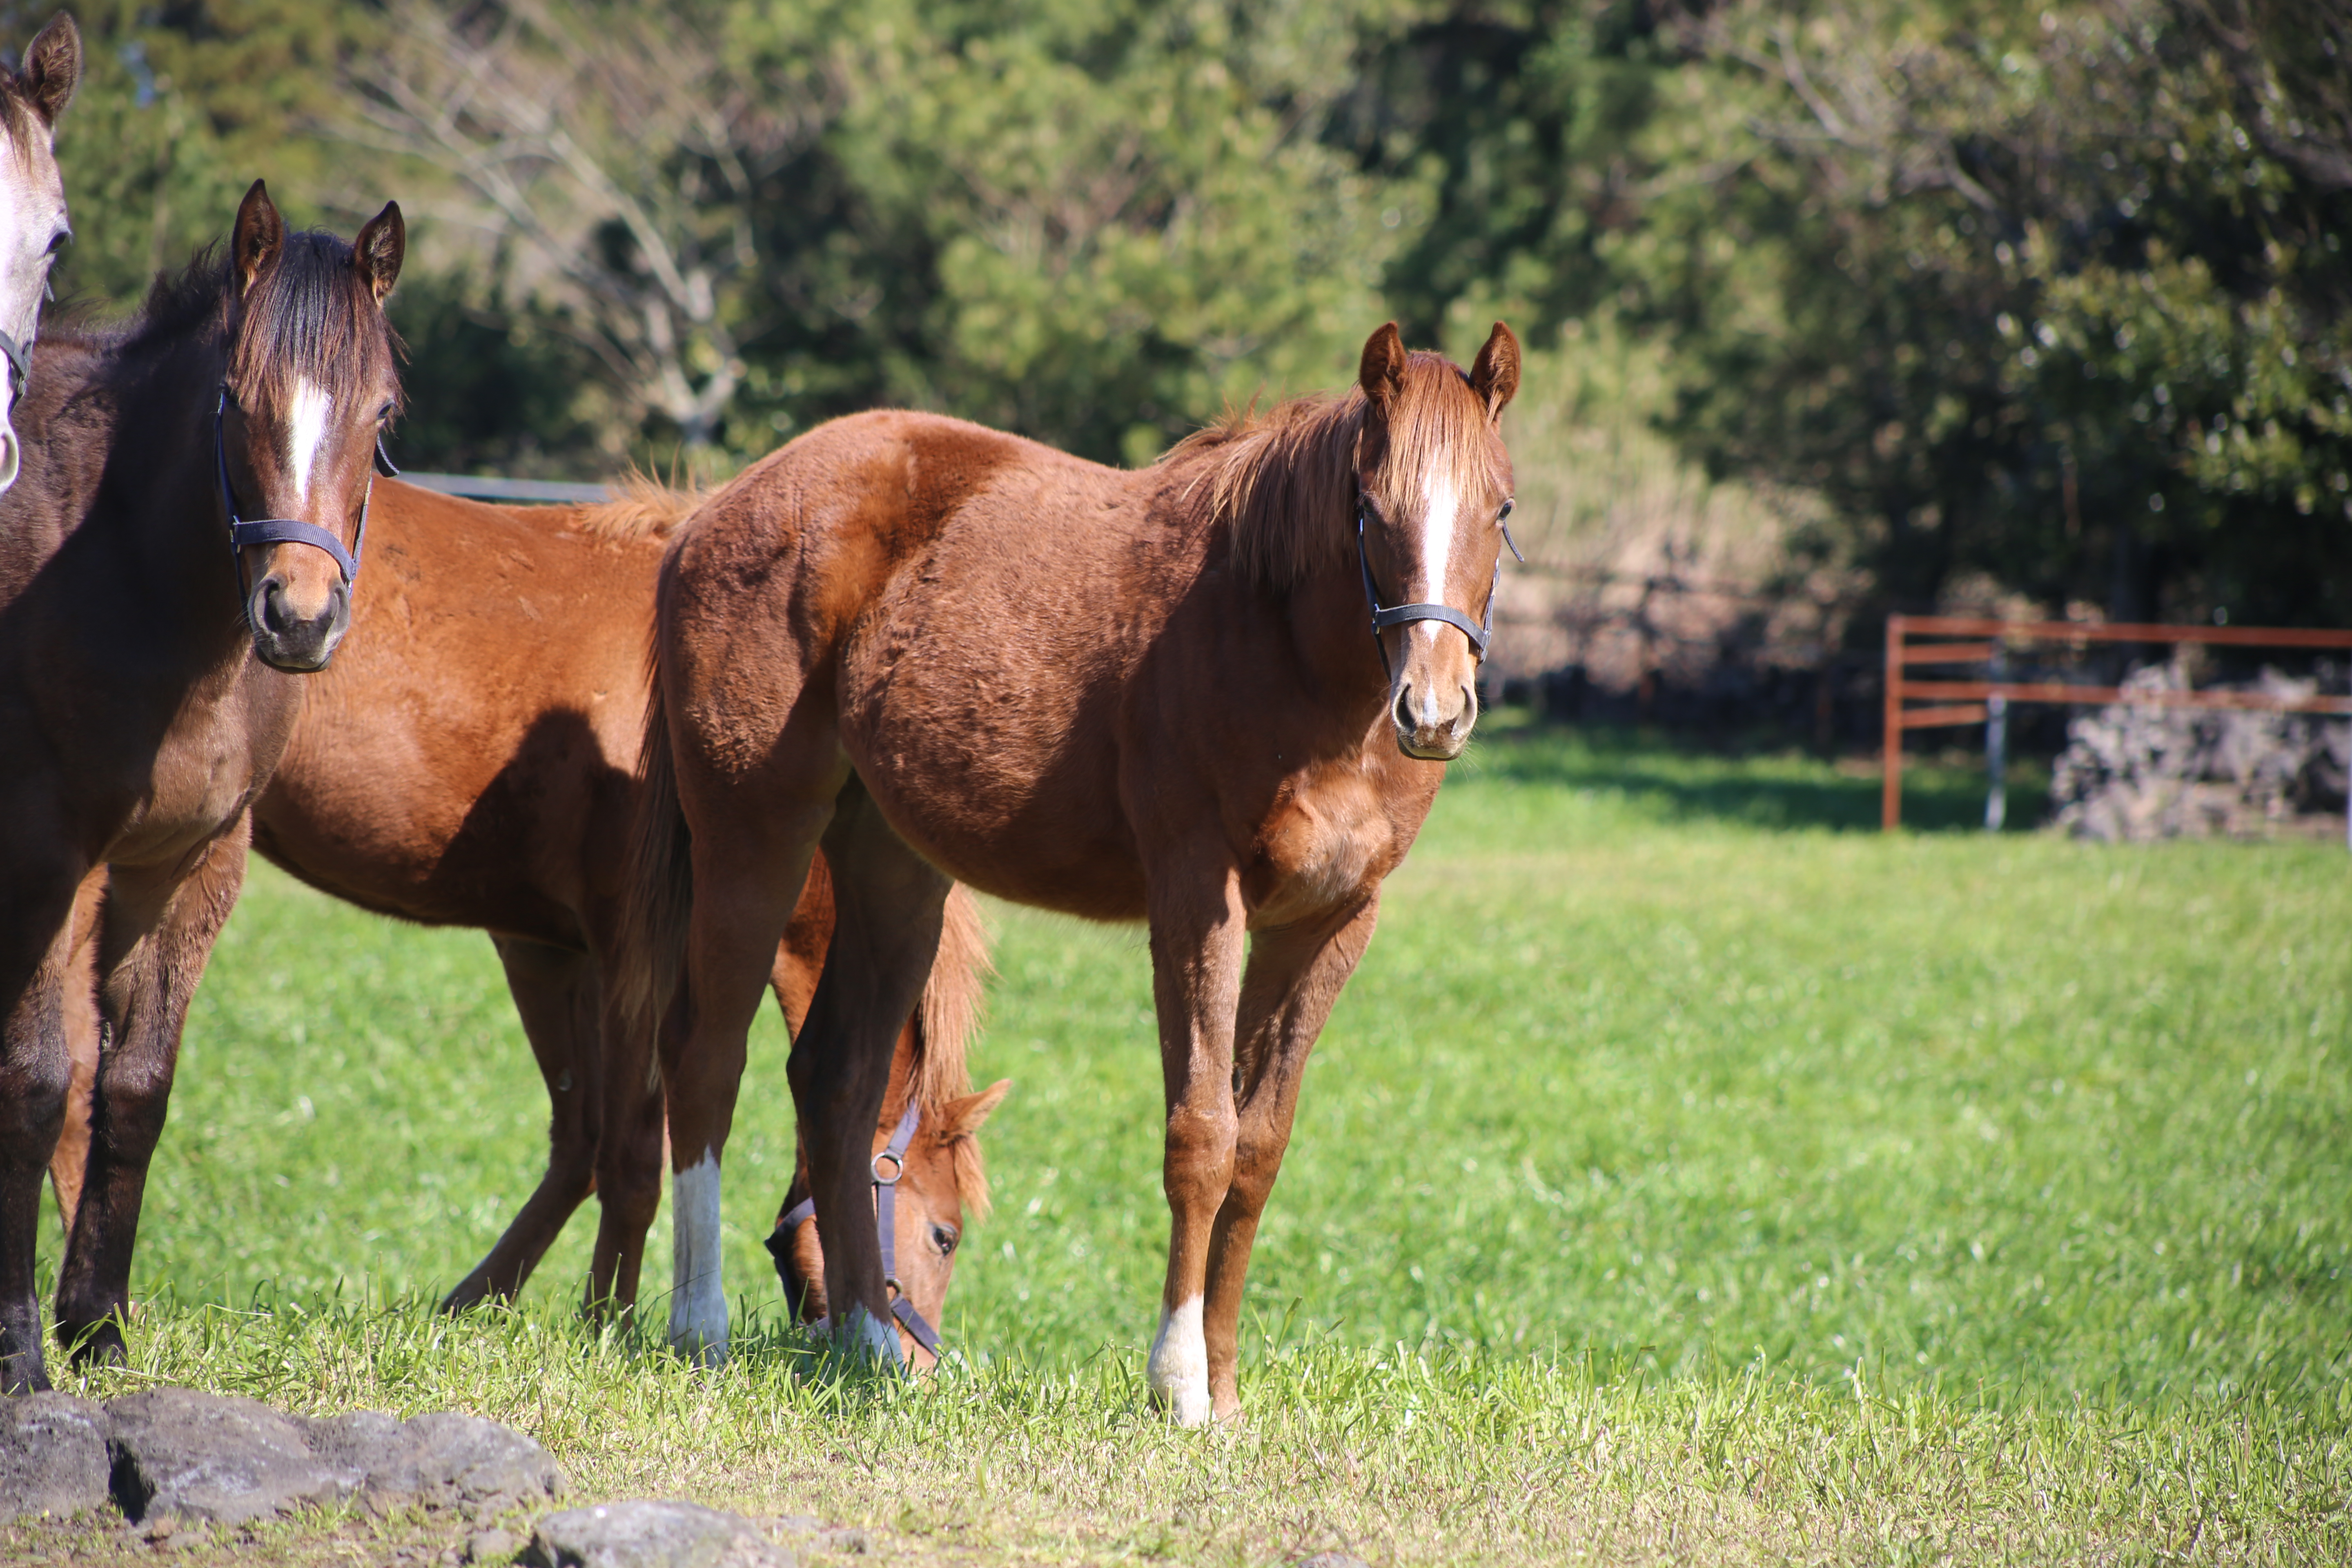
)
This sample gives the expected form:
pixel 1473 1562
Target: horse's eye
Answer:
pixel 383 415
pixel 59 240
pixel 1504 515
pixel 944 1237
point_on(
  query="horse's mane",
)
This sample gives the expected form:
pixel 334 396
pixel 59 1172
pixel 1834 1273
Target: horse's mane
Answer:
pixel 641 507
pixel 302 313
pixel 951 1011
pixel 1282 484
pixel 26 128
pixel 307 314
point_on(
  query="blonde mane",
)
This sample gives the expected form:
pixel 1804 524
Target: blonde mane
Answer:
pixel 1282 484
pixel 640 506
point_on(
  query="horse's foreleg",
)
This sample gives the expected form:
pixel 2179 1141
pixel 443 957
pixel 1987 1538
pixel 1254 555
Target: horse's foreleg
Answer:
pixel 888 902
pixel 155 938
pixel 85 1030
pixel 1197 941
pixel 1294 977
pixel 556 993
pixel 36 953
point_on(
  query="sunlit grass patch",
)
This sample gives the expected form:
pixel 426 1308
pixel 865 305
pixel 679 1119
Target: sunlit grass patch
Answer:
pixel 1683 1175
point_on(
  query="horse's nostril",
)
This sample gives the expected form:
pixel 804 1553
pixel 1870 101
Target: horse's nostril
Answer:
pixel 1403 709
pixel 274 618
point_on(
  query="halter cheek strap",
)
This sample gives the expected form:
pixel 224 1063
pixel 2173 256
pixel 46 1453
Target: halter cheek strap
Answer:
pixel 1401 615
pixel 886 1217
pixel 20 364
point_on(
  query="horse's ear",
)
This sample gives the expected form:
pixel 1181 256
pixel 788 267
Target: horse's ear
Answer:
pixel 1495 375
pixel 52 69
pixel 1381 373
pixel 964 1117
pixel 377 253
pixel 257 238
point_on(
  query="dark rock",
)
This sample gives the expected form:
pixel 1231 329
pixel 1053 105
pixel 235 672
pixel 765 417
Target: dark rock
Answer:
pixel 651 1535
pixel 195 1456
pixel 52 1455
pixel 442 1460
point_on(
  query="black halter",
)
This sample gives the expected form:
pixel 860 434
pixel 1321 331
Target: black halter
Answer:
pixel 886 1215
pixel 1400 614
pixel 20 364
pixel 243 531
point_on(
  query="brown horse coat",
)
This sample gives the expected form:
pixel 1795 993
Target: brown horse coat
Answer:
pixel 945 652
pixel 143 688
pixel 469 759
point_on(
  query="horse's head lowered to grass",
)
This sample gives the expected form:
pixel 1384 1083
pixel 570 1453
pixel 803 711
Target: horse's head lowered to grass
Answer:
pixel 1434 486
pixel 312 377
pixel 33 227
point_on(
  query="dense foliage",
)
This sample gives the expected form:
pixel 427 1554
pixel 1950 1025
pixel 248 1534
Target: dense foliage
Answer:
pixel 2049 296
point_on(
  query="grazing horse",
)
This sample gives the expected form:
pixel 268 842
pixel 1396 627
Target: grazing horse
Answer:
pixel 1173 693
pixel 470 760
pixel 32 207
pixel 179 547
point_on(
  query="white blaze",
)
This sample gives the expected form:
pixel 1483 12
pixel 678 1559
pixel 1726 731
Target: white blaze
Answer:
pixel 1179 1369
pixel 305 434
pixel 697 1302
pixel 1439 504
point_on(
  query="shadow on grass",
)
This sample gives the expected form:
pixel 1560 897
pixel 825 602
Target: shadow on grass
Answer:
pixel 1678 780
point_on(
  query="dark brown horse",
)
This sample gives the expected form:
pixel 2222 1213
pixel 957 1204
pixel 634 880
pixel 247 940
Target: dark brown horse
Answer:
pixel 943 652
pixel 33 227
pixel 471 759
pixel 179 546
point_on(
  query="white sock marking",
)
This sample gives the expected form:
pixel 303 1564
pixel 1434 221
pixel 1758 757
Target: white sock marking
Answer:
pixel 697 1302
pixel 1179 1368
pixel 1439 504
pixel 863 1334
pixel 305 434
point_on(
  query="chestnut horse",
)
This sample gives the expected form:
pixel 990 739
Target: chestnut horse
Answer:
pixel 32 207
pixel 470 760
pixel 1173 693
pixel 149 637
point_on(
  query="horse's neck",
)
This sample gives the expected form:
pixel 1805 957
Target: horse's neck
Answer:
pixel 160 499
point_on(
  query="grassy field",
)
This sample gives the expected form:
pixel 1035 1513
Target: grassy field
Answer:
pixel 1688 1175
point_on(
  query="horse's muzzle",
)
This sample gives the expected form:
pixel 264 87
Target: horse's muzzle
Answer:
pixel 1428 730
pixel 286 639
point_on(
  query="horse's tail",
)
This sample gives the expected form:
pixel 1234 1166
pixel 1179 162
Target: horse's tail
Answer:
pixel 660 877
pixel 945 1021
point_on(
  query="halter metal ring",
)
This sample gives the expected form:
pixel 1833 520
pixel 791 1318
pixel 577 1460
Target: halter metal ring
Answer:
pixel 897 1168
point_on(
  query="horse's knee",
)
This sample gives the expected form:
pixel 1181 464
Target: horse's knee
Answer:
pixel 33 1089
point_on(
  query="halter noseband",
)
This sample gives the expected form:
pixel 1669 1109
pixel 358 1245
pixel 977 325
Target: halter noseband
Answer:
pixel 243 532
pixel 1401 615
pixel 886 1207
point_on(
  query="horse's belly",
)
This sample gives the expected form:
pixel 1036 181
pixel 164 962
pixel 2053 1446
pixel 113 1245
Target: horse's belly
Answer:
pixel 998 784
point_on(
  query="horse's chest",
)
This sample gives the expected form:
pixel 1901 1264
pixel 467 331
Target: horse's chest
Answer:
pixel 202 776
pixel 1327 843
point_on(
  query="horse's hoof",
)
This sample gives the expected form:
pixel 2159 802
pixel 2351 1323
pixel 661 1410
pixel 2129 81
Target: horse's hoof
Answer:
pixel 97 1347
pixel 23 1374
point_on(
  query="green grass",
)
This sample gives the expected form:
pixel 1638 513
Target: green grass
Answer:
pixel 1685 1174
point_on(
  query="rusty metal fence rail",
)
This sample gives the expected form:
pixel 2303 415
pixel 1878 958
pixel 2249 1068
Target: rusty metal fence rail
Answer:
pixel 1974 640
